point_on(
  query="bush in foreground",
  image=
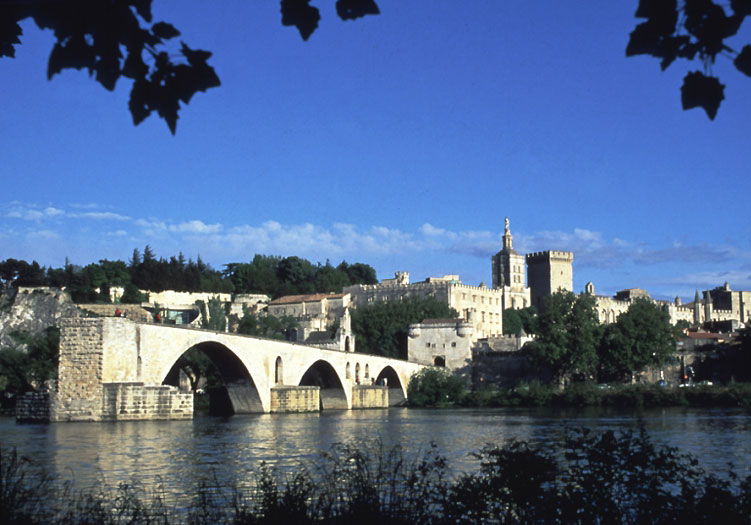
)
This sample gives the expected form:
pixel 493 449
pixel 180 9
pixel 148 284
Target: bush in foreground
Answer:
pixel 584 477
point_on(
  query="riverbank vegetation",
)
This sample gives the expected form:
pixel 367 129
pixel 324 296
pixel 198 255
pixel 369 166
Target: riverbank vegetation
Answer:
pixel 432 388
pixel 581 477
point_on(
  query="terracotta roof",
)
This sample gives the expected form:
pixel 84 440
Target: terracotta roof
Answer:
pixel 310 298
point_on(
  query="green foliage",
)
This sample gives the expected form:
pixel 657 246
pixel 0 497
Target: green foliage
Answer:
pixel 267 325
pixel 279 276
pixel 132 295
pixel 515 320
pixel 698 33
pixel 568 336
pixel 213 315
pixel 641 336
pixel 381 328
pixel 27 366
pixel 435 387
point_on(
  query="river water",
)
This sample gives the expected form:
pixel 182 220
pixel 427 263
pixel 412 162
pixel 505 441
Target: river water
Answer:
pixel 180 454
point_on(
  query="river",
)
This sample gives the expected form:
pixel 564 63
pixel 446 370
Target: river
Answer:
pixel 179 454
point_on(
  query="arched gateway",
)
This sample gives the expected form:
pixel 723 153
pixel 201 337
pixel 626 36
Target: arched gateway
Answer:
pixel 114 368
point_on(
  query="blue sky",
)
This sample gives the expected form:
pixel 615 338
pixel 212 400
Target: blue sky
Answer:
pixel 401 140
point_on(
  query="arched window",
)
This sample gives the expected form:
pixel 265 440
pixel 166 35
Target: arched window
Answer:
pixel 346 344
pixel 367 371
pixel 357 373
pixel 439 361
pixel 347 373
pixel 278 374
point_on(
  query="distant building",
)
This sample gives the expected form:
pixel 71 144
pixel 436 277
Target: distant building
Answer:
pixel 313 312
pixel 549 272
pixel 441 342
pixel 481 305
pixel 508 267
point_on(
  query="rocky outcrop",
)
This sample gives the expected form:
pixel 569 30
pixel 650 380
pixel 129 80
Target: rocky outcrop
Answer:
pixel 32 310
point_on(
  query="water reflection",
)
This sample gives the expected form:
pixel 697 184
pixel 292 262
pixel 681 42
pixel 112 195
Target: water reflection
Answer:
pixel 180 454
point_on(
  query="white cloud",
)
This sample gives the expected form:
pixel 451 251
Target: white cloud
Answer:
pixel 195 226
pixel 102 215
pixel 43 234
pixel 51 212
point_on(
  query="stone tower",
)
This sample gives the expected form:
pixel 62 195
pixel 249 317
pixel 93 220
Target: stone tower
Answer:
pixel 549 272
pixel 508 273
pixel 508 264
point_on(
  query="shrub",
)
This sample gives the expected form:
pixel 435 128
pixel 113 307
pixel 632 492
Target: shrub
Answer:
pixel 435 387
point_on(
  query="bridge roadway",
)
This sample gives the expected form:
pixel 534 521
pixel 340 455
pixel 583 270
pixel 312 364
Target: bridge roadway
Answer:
pixel 147 353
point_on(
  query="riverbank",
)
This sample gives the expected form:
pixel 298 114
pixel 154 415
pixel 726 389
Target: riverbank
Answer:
pixel 621 396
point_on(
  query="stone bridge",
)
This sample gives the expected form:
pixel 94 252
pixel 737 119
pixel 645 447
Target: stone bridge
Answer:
pixel 115 368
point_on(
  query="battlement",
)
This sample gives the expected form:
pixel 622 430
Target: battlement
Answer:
pixel 550 255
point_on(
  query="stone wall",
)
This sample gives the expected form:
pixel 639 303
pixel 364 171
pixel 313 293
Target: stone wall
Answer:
pixel 35 407
pixel 136 401
pixel 295 399
pixel 440 342
pixel 79 395
pixel 370 396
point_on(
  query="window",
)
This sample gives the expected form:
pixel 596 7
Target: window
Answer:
pixel 453 345
pixel 427 345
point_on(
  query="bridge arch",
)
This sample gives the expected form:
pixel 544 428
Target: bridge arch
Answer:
pixel 324 376
pixel 397 391
pixel 242 391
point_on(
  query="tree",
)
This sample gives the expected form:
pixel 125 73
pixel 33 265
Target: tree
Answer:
pixel 213 316
pixel 520 319
pixel 568 336
pixel 435 387
pixel 689 30
pixel 641 336
pixel 381 328
pixel 117 38
pixel 33 361
pixel 267 325
pixel 132 295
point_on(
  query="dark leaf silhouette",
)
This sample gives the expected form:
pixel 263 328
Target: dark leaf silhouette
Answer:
pixel 300 14
pixel 10 32
pixel 699 90
pixel 692 29
pixel 164 30
pixel 116 38
pixel 743 61
pixel 352 9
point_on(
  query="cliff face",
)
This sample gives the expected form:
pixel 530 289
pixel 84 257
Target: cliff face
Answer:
pixel 32 310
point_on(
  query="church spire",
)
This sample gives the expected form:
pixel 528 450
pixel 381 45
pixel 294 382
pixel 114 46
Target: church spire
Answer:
pixel 508 240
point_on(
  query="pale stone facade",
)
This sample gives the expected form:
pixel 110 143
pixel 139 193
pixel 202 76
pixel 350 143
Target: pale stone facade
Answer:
pixel 440 342
pixel 508 267
pixel 479 305
pixel 549 272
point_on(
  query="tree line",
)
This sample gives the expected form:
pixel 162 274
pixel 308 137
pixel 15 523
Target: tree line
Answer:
pixel 573 345
pixel 271 275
